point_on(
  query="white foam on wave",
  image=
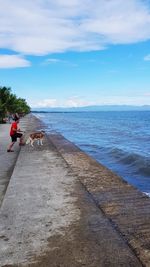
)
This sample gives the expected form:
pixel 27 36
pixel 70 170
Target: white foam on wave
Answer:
pixel 147 193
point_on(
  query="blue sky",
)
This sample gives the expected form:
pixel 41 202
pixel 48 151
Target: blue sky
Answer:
pixel 76 53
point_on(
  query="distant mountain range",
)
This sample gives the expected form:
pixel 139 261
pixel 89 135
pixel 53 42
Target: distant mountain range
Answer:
pixel 95 108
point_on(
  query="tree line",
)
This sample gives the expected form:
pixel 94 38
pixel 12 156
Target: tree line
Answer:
pixel 11 104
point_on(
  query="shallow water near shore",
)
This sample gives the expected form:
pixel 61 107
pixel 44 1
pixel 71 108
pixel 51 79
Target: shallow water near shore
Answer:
pixel 119 140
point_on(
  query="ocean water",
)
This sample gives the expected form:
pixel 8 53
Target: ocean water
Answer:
pixel 118 140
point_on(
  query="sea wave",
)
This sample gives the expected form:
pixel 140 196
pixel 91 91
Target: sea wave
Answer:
pixel 148 194
pixel 139 163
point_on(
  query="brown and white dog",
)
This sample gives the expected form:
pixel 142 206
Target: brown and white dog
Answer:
pixel 36 136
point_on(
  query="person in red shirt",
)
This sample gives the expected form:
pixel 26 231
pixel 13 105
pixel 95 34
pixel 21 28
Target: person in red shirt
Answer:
pixel 14 134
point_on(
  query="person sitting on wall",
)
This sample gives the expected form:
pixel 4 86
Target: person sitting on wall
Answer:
pixel 15 133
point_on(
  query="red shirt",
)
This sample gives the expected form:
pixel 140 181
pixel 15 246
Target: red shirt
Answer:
pixel 13 126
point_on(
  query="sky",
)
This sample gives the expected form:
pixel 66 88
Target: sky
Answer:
pixel 73 53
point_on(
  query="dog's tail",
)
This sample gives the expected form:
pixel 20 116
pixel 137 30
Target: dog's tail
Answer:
pixel 28 140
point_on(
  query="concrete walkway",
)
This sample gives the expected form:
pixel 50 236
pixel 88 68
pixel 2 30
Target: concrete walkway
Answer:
pixel 7 160
pixel 48 216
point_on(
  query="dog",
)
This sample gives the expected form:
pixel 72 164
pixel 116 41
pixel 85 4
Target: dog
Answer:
pixel 36 136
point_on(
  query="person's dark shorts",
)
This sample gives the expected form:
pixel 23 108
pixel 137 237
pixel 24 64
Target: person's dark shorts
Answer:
pixel 15 136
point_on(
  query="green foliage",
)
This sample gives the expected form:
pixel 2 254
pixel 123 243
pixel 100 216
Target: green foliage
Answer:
pixel 10 103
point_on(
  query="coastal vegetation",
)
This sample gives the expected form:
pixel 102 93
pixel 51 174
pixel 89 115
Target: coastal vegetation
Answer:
pixel 11 104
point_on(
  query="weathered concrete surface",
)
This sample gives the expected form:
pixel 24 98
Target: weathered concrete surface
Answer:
pixel 126 207
pixel 7 160
pixel 48 218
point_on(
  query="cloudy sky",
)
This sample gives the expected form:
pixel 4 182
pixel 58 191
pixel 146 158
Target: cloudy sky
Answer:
pixel 76 52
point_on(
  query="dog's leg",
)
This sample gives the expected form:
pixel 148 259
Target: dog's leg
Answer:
pixel 28 141
pixel 41 142
pixel 32 143
pixel 38 142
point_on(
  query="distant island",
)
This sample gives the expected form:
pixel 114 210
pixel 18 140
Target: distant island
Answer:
pixel 94 108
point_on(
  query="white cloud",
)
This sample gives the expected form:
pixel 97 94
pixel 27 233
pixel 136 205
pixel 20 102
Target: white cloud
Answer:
pixel 76 101
pixel 147 58
pixel 110 100
pixel 53 60
pixel 13 61
pixel 147 94
pixel 125 100
pixel 59 61
pixel 45 103
pixel 41 27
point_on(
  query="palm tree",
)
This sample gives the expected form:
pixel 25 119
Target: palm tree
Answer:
pixel 9 103
pixel 4 98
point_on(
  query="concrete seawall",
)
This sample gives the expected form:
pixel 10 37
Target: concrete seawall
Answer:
pixel 62 208
pixel 127 209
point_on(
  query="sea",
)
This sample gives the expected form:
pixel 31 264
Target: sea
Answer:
pixel 120 140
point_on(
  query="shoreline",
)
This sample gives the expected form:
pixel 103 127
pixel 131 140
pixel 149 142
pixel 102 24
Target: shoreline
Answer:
pixel 89 215
pixel 110 141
